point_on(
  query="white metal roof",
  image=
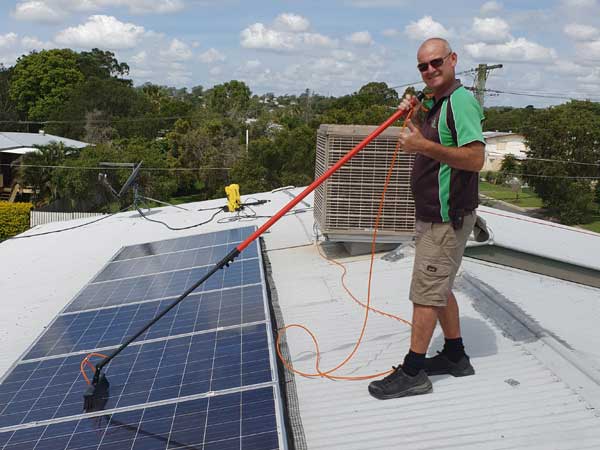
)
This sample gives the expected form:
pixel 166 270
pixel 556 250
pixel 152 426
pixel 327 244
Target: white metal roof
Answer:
pixel 10 141
pixel 533 340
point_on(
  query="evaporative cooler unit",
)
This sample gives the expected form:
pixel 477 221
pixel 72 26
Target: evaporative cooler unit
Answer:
pixel 346 204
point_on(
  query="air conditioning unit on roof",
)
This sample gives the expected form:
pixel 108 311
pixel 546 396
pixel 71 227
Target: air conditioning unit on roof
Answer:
pixel 346 204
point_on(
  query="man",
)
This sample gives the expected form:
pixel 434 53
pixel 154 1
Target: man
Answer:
pixel 449 151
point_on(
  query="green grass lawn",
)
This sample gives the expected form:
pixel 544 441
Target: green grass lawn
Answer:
pixel 527 198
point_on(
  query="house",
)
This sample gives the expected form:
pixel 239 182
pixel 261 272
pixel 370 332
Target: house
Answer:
pixel 498 144
pixel 532 336
pixel 13 146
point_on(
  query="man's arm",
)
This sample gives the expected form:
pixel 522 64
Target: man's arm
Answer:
pixel 469 157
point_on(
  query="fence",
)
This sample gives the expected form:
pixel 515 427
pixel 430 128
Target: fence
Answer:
pixel 42 217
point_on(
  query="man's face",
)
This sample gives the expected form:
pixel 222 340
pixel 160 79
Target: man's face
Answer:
pixel 440 78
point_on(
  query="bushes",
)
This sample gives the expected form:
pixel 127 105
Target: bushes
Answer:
pixel 14 218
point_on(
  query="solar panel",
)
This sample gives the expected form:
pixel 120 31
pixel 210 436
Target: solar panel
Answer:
pixel 184 243
pixel 179 260
pixel 245 420
pixel 202 377
pixel 96 329
pixel 148 372
pixel 164 285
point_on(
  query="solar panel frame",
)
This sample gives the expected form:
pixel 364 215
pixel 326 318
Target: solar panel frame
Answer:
pixel 244 420
pixel 272 363
pixel 105 327
pixel 210 361
pixel 163 285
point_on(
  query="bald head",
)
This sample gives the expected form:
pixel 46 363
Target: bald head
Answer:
pixel 436 62
pixel 433 44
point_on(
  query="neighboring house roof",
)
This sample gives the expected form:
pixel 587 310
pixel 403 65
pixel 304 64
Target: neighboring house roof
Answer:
pixel 533 339
pixel 497 134
pixel 20 143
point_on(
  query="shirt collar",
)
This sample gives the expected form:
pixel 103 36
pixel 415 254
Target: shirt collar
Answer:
pixel 454 86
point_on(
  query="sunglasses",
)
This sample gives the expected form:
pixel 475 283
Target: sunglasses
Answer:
pixel 435 63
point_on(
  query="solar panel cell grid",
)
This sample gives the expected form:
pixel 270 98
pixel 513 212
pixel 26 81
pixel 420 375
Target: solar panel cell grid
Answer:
pixel 169 262
pixel 144 373
pixel 185 243
pixel 169 284
pixel 241 421
pixel 109 327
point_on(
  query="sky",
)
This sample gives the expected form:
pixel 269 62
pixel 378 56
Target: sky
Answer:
pixel 332 47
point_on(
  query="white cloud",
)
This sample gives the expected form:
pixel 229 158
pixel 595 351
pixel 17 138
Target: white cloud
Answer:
pixel 37 11
pixel 51 11
pixel 580 32
pixel 29 43
pixel 102 31
pixel 259 36
pixel 252 64
pixel 291 22
pixel 426 28
pixel 589 51
pixel 361 38
pixel 177 51
pixel 391 32
pixel 490 29
pixel 343 55
pixel 212 55
pixel 490 8
pixel 515 50
pixel 574 4
pixel 378 3
pixel 565 67
pixel 8 40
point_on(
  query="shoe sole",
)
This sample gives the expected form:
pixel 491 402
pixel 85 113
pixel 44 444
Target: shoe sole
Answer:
pixel 416 390
pixel 455 373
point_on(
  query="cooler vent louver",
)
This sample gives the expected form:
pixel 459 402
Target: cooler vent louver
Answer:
pixel 346 204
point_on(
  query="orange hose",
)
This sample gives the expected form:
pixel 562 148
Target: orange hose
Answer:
pixel 327 374
pixel 86 362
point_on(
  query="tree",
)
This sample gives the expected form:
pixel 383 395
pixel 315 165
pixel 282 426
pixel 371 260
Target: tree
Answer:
pixel 567 133
pixel 101 64
pixel 113 103
pixel 375 93
pixel 42 81
pixel 8 109
pixel 231 98
pixel 37 171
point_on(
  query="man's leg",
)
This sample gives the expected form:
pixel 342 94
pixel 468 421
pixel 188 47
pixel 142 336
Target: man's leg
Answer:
pixel 449 318
pixel 453 359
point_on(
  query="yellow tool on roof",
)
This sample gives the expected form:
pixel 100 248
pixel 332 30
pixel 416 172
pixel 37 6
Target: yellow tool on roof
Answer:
pixel 233 197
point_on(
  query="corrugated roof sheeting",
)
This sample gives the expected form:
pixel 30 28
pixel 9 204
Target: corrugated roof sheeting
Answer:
pixel 515 401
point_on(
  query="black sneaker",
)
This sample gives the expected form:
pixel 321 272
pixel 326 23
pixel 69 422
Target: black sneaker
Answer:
pixel 400 384
pixel 441 365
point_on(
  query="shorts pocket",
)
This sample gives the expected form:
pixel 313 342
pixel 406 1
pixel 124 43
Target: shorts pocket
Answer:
pixel 431 281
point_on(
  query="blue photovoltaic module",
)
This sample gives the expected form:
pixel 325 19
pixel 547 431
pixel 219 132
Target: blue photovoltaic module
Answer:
pixel 88 330
pixel 202 377
pixel 166 369
pixel 242 420
pixel 166 284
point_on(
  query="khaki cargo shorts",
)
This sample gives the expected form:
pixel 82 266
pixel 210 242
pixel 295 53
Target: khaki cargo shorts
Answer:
pixel 439 250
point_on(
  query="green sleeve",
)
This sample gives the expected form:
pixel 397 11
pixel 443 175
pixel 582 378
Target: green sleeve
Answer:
pixel 468 116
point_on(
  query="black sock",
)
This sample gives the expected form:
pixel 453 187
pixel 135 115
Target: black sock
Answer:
pixel 413 363
pixel 454 349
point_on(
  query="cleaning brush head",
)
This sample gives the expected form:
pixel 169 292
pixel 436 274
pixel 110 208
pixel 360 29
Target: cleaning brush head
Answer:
pixel 96 395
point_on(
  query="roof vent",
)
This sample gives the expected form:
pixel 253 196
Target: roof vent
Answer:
pixel 42 132
pixel 346 204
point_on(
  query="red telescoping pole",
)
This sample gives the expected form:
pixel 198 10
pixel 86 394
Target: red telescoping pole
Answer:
pixel 399 113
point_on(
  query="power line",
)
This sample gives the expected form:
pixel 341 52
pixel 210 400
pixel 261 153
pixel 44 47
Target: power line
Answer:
pixel 112 120
pixel 532 94
pixel 150 169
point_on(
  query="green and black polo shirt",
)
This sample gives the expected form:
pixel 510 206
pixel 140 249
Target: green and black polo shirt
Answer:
pixel 442 193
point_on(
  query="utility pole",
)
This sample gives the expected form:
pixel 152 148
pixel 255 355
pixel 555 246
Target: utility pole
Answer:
pixel 483 71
